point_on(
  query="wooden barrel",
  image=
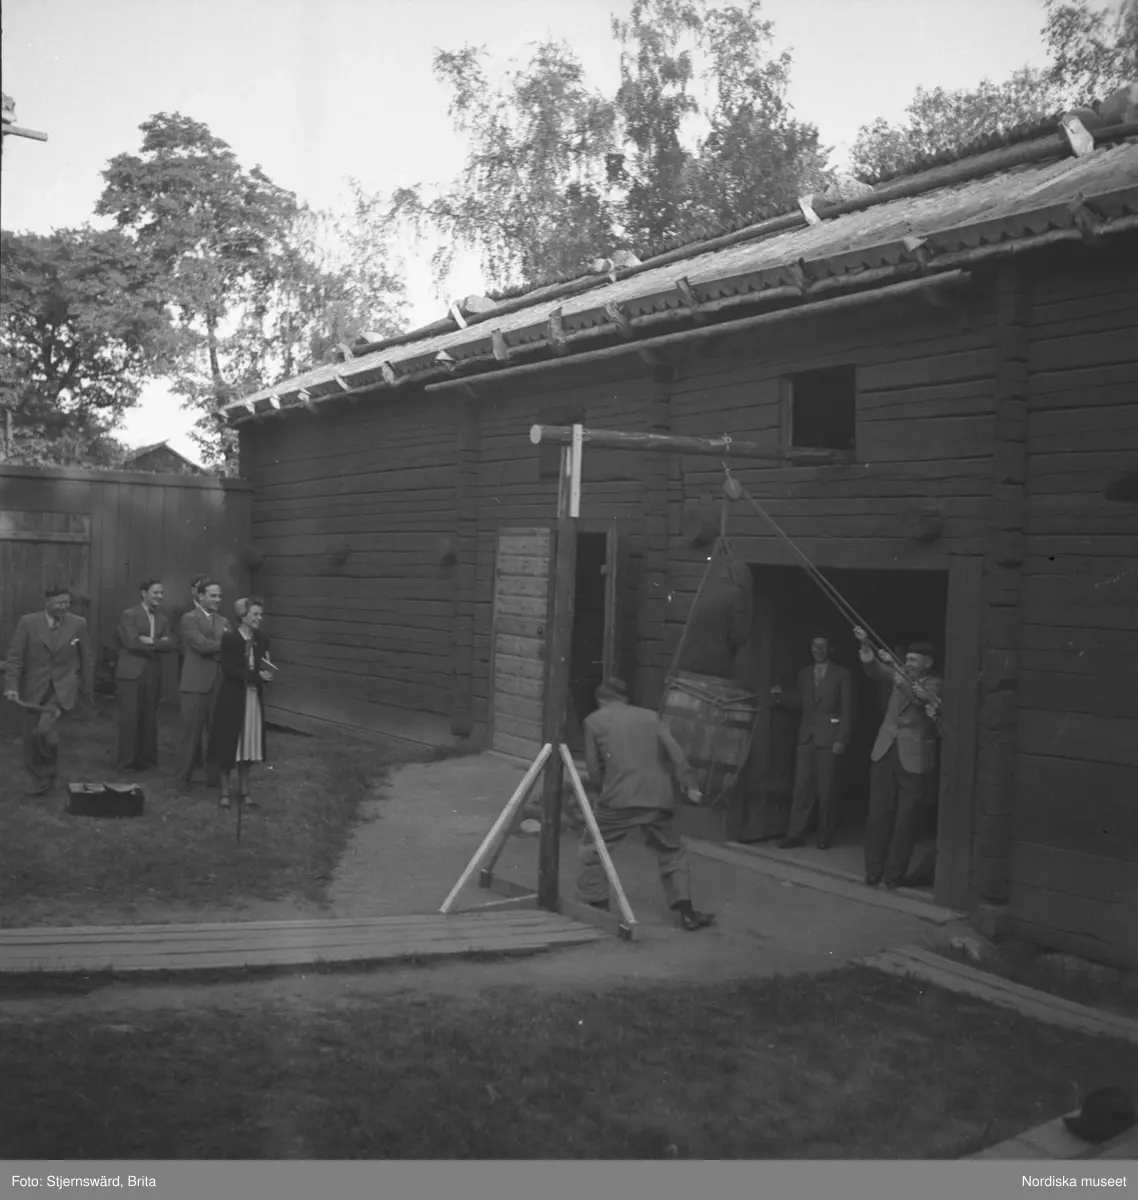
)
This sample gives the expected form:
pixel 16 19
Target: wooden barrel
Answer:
pixel 714 721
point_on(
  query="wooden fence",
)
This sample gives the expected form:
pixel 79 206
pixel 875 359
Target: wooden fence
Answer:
pixel 102 532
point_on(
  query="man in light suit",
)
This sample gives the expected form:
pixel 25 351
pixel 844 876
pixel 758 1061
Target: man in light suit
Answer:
pixel 201 631
pixel 904 759
pixel 50 665
pixel 632 759
pixel 825 696
pixel 143 634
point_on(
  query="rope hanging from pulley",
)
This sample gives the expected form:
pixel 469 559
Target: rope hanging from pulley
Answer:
pixel 734 490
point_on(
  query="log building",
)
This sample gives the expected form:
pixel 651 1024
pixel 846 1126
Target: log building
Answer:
pixel 947 371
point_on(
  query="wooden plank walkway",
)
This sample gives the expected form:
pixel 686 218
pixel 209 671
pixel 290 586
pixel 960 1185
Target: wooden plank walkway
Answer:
pixel 917 963
pixel 237 945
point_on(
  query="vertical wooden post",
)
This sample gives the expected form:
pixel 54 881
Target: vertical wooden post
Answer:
pixel 558 647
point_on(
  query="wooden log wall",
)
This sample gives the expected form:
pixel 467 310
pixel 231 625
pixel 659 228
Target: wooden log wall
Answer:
pixel 355 514
pixel 1074 857
pixel 924 434
pixel 170 527
pixel 466 562
pixel 997 758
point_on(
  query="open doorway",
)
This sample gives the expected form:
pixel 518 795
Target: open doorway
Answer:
pixel 790 609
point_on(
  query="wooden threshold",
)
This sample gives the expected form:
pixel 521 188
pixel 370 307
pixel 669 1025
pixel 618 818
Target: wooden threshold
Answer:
pixel 914 962
pixel 827 879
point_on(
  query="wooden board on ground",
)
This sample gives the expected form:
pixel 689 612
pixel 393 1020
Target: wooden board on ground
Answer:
pixel 237 945
pixel 605 921
pixel 957 977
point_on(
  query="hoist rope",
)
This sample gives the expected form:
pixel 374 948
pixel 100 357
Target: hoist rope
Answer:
pixel 830 591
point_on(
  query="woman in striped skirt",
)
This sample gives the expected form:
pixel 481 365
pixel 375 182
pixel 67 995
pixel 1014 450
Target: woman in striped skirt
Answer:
pixel 238 733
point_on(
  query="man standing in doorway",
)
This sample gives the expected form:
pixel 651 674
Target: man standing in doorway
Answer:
pixel 904 758
pixel 143 635
pixel 201 632
pixel 625 749
pixel 825 696
pixel 50 666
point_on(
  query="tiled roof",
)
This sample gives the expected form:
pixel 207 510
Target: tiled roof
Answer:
pixel 1008 204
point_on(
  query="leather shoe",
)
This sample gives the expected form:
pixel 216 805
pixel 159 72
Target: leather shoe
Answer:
pixel 692 920
pixel 873 880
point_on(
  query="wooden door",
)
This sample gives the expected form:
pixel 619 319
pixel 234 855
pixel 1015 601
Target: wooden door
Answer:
pixel 40 550
pixel 522 575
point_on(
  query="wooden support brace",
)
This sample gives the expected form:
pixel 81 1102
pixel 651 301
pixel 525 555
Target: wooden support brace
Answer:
pixel 388 373
pixel 306 399
pixel 342 382
pixel 1088 222
pixel 445 360
pixel 498 341
pixel 796 276
pixel 598 839
pixel 456 314
pixel 1079 138
pixel 806 205
pixel 500 827
pixel 275 402
pixel 684 287
pixel 556 333
pixel 618 315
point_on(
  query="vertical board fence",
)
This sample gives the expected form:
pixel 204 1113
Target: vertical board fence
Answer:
pixel 102 532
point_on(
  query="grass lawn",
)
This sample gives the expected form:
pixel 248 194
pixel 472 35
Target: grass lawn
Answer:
pixel 853 1064
pixel 182 855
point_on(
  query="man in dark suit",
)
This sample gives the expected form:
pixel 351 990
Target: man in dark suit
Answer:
pixel 200 635
pixel 825 696
pixel 50 666
pixel 904 758
pixel 143 634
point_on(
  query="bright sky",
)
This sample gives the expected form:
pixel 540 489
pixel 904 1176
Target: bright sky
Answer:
pixel 317 90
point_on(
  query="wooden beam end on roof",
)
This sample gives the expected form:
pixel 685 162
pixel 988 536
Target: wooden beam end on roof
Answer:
pixel 691 302
pixel 498 342
pixel 555 333
pixel 618 315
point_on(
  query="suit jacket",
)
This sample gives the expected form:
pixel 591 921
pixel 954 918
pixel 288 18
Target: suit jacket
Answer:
pixel 133 655
pixel 907 723
pixel 201 634
pixel 626 749
pixel 40 658
pixel 827 710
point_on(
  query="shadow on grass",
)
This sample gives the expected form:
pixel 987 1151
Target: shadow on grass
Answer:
pixel 852 1064
pixel 182 853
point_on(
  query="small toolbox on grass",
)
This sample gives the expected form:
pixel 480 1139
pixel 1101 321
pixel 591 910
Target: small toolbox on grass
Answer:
pixel 105 800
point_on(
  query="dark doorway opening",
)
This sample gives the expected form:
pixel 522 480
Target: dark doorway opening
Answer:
pixel 790 609
pixel 586 663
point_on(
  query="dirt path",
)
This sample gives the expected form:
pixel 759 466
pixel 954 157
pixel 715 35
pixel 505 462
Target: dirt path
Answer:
pixel 417 836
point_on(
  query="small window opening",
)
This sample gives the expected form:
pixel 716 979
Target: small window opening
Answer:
pixel 822 412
